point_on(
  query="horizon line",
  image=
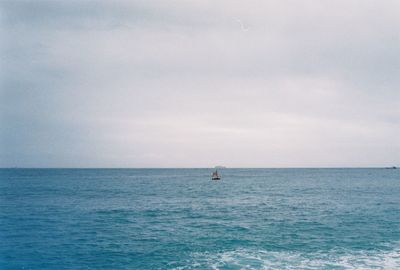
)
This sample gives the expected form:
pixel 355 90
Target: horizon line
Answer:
pixel 214 167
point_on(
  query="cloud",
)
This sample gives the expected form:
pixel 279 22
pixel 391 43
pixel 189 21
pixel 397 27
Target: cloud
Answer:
pixel 155 83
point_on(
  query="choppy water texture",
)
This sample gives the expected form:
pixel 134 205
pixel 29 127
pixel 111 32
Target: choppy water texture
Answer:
pixel 180 219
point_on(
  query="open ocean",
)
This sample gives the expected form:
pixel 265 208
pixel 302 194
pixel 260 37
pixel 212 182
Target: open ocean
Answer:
pixel 180 219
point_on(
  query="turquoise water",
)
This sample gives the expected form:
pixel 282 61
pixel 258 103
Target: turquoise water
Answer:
pixel 180 219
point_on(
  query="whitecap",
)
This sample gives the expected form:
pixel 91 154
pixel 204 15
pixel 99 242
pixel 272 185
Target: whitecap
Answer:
pixel 263 259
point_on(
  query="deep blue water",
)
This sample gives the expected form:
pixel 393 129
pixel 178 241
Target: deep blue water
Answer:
pixel 180 219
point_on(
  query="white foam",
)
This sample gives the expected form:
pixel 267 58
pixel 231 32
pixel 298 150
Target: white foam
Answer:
pixel 261 259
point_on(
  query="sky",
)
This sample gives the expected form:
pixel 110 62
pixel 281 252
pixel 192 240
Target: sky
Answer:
pixel 200 83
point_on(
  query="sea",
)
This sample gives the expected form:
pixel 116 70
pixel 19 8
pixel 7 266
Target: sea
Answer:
pixel 181 219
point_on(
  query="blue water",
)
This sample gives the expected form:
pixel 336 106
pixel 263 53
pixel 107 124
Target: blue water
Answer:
pixel 180 219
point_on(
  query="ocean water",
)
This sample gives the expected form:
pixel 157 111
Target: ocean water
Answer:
pixel 180 219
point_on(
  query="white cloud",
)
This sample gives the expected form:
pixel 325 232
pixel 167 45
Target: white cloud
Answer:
pixel 155 83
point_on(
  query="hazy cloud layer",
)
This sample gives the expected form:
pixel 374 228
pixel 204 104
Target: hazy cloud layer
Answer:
pixel 200 83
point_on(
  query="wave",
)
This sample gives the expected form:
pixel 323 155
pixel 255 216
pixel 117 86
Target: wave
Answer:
pixel 261 259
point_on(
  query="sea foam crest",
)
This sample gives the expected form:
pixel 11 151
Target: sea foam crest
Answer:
pixel 252 259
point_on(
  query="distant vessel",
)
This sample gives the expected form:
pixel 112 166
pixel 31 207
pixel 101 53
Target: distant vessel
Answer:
pixel 215 176
pixel 394 167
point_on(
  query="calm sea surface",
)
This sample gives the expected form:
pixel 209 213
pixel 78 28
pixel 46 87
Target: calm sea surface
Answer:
pixel 180 219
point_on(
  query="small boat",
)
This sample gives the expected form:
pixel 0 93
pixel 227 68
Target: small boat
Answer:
pixel 215 176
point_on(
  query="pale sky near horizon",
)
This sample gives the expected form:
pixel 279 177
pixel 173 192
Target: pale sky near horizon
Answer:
pixel 200 83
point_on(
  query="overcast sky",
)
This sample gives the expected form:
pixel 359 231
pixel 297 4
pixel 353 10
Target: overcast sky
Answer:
pixel 200 83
